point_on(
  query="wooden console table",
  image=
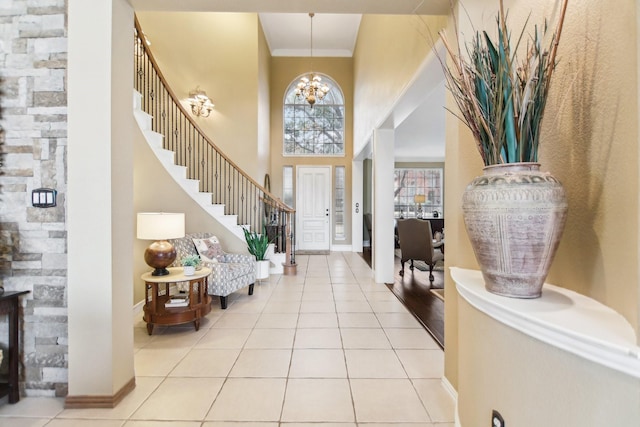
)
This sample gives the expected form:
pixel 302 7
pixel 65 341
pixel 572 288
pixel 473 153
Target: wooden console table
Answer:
pixel 155 312
pixel 9 305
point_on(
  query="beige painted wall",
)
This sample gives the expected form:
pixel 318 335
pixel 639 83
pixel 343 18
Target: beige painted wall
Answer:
pixel 389 50
pixel 223 53
pixel 533 384
pixel 284 70
pixel 590 142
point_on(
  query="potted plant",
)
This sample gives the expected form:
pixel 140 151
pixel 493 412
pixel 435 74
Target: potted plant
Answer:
pixel 257 244
pixel 514 213
pixel 189 263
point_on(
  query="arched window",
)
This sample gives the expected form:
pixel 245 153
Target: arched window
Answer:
pixel 317 131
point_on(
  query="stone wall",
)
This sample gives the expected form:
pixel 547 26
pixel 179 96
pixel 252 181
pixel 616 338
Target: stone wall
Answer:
pixel 33 53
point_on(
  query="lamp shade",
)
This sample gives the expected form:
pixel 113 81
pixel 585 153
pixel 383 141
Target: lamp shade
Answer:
pixel 419 198
pixel 160 225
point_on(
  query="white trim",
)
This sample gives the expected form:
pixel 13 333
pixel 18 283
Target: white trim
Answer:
pixel 449 387
pixel 340 248
pixel 137 309
pixel 561 318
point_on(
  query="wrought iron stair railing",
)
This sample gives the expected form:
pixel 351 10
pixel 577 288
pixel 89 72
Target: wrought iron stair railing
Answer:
pixel 229 185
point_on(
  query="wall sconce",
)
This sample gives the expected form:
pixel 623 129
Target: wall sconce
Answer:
pixel 200 103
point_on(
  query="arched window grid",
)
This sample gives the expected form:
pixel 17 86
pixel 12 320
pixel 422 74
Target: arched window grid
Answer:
pixel 317 130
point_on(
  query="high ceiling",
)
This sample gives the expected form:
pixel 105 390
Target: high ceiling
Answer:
pixel 287 27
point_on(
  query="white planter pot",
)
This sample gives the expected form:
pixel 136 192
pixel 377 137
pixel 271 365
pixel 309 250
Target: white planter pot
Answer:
pixel 189 270
pixel 514 215
pixel 262 269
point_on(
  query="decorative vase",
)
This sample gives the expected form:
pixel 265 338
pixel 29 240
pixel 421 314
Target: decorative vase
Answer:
pixel 189 270
pixel 262 269
pixel 514 215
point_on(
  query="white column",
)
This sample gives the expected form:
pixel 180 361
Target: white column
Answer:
pixel 356 202
pixel 100 197
pixel 383 243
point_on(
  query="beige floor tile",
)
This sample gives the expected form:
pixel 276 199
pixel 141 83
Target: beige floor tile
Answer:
pixel 343 293
pixel 282 307
pixel 141 338
pixel 249 399
pixel 344 279
pixel 224 338
pixel 317 363
pixel 237 320
pixel 237 424
pixel 140 423
pixel 403 425
pixel 206 362
pixel 318 338
pixel 311 280
pixel 176 336
pixel 315 295
pixel 287 294
pixel 318 400
pixel 183 399
pixel 34 407
pixel 271 338
pixel 23 422
pixel 381 296
pixel 358 320
pixel 319 425
pixel 317 320
pixel 364 338
pixel 398 320
pixel 255 305
pixel 262 364
pixel 422 363
pixel 387 306
pixel 353 307
pixel 157 362
pixel 387 400
pixel 411 338
pixel 439 403
pixel 318 307
pixel 84 423
pixel 277 320
pixel 373 364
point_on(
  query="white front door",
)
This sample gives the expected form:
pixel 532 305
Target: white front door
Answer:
pixel 313 208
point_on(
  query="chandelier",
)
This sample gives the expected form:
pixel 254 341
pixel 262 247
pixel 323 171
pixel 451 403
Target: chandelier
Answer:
pixel 200 103
pixel 311 87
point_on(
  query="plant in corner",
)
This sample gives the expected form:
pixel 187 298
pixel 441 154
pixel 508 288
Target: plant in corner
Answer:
pixel 257 245
pixel 514 213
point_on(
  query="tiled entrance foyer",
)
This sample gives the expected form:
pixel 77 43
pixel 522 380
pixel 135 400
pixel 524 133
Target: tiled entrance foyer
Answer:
pixel 326 346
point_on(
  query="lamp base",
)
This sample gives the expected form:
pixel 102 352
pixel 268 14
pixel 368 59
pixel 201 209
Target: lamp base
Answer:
pixel 159 255
pixel 160 272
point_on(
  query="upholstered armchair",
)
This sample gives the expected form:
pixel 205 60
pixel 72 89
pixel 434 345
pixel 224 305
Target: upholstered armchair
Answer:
pixel 229 272
pixel 416 244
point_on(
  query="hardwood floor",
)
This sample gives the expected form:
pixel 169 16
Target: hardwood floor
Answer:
pixel 413 291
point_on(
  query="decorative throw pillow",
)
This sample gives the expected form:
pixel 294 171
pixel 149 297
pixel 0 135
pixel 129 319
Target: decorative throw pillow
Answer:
pixel 208 249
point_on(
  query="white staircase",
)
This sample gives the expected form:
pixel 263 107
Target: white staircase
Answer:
pixel 192 186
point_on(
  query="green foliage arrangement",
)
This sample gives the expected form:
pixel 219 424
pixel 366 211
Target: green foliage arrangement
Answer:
pixel 257 244
pixel 190 261
pixel 502 98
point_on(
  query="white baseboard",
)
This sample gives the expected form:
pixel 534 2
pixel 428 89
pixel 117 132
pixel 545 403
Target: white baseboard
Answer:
pixel 454 394
pixel 341 248
pixel 137 309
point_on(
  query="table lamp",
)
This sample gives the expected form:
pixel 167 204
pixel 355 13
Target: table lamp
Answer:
pixel 160 226
pixel 419 199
